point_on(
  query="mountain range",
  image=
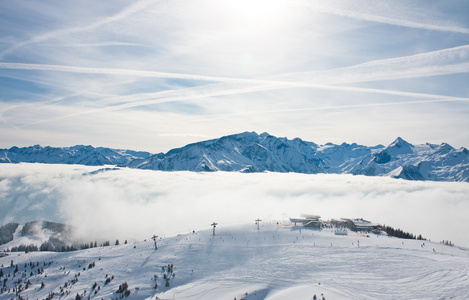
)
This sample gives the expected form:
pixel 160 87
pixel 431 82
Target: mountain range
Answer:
pixel 252 152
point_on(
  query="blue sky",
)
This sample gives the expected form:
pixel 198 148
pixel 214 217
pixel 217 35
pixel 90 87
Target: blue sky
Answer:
pixel 154 75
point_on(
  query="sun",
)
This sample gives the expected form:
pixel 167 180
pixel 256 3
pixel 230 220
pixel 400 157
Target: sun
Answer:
pixel 255 11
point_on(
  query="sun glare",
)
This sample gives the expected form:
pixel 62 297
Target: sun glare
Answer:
pixel 255 11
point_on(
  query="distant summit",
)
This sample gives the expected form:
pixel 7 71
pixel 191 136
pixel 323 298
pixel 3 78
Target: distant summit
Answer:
pixel 79 155
pixel 251 152
pixel 245 152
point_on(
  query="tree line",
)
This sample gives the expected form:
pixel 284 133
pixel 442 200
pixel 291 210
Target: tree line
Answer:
pixel 56 245
pixel 401 234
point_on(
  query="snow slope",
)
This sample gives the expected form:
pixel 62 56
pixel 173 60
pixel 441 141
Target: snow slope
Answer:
pixel 276 262
pixel 38 232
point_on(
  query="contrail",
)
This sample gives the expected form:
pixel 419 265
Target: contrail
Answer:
pixel 430 99
pixel 150 98
pixel 395 68
pixel 440 62
pixel 369 11
pixel 130 72
pixel 351 106
pixel 259 85
pixel 129 10
pixel 385 12
pixel 275 83
pixel 375 70
pixel 147 101
pixel 448 61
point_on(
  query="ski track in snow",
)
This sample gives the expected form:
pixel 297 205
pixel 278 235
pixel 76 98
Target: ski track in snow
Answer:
pixel 272 263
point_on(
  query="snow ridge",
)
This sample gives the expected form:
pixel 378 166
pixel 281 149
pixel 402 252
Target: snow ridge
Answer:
pixel 80 155
pixel 423 162
pixel 250 152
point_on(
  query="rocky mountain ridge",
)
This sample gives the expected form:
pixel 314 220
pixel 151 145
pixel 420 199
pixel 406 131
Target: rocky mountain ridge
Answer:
pixel 252 152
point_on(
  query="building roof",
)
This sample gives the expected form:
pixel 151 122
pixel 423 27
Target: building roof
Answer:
pixel 363 223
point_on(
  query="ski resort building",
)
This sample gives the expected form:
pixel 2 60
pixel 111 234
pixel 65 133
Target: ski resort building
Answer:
pixel 339 223
pixel 360 225
pixel 311 221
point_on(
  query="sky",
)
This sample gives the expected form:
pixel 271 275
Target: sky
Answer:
pixel 155 75
pixel 135 204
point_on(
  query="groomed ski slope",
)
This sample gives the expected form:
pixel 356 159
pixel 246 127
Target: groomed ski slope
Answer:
pixel 275 262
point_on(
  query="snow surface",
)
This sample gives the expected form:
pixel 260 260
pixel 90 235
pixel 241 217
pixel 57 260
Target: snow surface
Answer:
pixel 18 239
pixel 277 262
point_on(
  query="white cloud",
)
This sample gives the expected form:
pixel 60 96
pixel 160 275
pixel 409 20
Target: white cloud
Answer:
pixel 136 204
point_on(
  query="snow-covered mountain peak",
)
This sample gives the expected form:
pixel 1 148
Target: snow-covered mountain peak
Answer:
pixel 251 152
pixel 248 135
pixel 392 152
pixel 463 151
pixel 400 146
pixel 398 141
pixel 79 154
pixel 442 148
pixel 346 145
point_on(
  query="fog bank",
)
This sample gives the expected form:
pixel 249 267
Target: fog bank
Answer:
pixel 135 204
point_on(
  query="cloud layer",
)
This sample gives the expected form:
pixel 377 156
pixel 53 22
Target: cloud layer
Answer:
pixel 134 204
